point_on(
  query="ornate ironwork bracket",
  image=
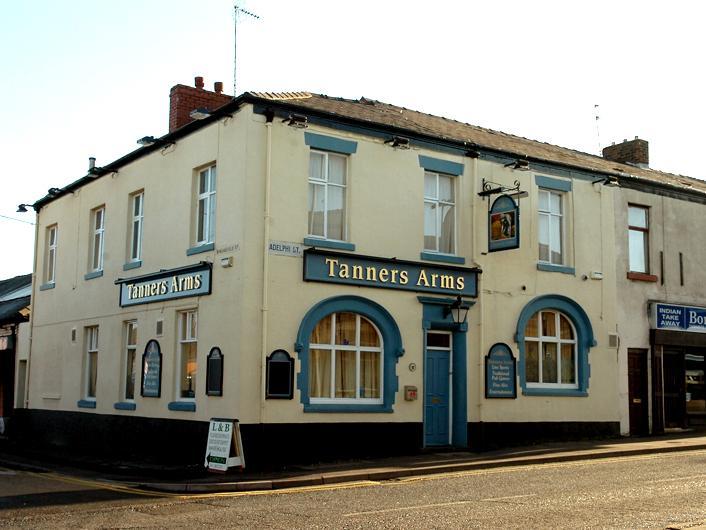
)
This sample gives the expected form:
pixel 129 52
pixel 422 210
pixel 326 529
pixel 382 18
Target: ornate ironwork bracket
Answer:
pixel 493 188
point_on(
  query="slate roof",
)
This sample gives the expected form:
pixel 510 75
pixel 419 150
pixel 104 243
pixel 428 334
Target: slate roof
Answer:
pixel 10 309
pixel 12 284
pixel 379 113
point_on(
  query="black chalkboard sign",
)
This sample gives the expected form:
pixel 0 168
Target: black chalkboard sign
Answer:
pixel 214 372
pixel 151 370
pixel 280 375
pixel 500 372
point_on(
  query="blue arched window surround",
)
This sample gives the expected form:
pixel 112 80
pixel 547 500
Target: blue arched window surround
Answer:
pixel 584 342
pixel 392 350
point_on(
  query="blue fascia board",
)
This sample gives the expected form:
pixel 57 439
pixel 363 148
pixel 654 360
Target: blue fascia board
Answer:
pixel 132 265
pixel 441 166
pixel 552 183
pixel 94 274
pixel 47 286
pixel 124 405
pixel 549 267
pixel 327 243
pixel 199 249
pixel 555 392
pixel 183 406
pixel 442 258
pixel 329 143
pixel 86 403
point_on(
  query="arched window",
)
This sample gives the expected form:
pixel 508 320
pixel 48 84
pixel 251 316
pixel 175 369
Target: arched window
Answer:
pixel 554 336
pixel 348 347
pixel 345 360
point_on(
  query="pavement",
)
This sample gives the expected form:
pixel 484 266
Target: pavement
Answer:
pixel 428 463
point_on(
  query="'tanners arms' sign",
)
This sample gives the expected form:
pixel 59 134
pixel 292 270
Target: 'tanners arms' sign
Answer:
pixel 194 280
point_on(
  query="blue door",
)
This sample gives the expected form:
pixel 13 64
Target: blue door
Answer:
pixel 437 405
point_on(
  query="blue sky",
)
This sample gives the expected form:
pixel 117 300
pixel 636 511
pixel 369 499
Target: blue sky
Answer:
pixel 87 78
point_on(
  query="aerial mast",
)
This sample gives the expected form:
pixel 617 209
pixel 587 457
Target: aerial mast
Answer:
pixel 236 10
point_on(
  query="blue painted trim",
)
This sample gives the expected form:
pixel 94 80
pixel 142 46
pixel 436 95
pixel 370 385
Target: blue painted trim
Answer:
pixel 552 183
pixel 584 342
pixel 47 286
pixel 442 258
pixel 391 339
pixel 124 405
pixel 329 143
pixel 549 267
pixel 183 406
pixel 558 392
pixel 441 166
pixel 86 403
pixel 327 243
pixel 132 265
pixel 199 249
pixel 94 274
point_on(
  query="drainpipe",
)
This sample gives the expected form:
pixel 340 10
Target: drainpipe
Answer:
pixel 266 264
pixel 35 279
pixel 481 304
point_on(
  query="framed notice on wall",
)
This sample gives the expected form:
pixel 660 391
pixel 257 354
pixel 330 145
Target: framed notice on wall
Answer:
pixel 500 369
pixel 151 370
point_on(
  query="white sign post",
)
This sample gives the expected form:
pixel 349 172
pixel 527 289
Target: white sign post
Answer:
pixel 224 448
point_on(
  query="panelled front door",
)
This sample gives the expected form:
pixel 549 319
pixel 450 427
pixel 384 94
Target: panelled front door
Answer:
pixel 637 391
pixel 437 398
pixel 674 388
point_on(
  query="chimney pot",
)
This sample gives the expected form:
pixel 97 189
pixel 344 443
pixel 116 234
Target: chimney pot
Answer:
pixel 198 81
pixel 91 162
pixel 218 87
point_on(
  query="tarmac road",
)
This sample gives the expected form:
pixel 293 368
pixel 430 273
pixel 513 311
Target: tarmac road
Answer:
pixel 641 491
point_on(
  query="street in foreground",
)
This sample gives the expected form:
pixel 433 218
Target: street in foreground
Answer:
pixel 649 491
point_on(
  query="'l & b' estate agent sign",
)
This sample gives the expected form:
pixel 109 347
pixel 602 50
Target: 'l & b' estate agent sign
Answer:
pixel 193 280
pixel 680 318
pixel 366 271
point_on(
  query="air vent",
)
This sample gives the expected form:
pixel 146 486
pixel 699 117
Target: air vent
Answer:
pixel 160 328
pixel 613 340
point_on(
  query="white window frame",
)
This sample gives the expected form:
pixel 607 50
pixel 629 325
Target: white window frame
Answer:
pixel 562 224
pixel 185 337
pixel 645 231
pixel 130 347
pixel 541 340
pixel 52 237
pixel 327 184
pixel 206 217
pixel 332 347
pixel 437 203
pixel 92 349
pixel 97 238
pixel 137 218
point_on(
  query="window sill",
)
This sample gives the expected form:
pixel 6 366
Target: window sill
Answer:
pixel 86 403
pixel 47 286
pixel 327 243
pixel 208 247
pixel 183 406
pixel 555 392
pixel 132 265
pixel 94 274
pixel 548 267
pixel 332 407
pixel 642 277
pixel 124 405
pixel 443 258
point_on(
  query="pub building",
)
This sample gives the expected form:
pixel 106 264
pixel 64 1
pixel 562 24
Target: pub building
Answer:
pixel 342 277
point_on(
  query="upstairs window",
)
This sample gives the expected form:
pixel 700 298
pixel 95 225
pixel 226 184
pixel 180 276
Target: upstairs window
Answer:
pixel 206 206
pixel 439 213
pixel 136 218
pixel 551 227
pixel 327 195
pixel 97 239
pixel 50 259
pixel 638 238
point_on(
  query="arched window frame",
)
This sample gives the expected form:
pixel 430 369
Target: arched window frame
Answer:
pixel 391 351
pixel 583 333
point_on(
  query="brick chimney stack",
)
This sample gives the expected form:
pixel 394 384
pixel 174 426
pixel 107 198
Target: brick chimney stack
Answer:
pixel 635 152
pixel 183 99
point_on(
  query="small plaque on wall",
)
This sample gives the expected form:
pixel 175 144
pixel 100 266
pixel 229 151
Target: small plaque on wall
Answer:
pixel 500 370
pixel 503 224
pixel 152 370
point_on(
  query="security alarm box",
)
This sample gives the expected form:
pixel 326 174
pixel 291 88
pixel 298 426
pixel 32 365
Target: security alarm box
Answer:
pixel 410 393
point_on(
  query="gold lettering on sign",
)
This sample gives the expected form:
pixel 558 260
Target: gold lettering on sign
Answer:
pixel 404 277
pixel 331 263
pixel 422 280
pixel 384 275
pixel 371 274
pixel 447 281
pixel 343 271
pixel 357 272
pixel 460 283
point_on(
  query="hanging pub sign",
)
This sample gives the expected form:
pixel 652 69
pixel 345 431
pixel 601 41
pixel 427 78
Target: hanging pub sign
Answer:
pixel 152 370
pixel 192 280
pixel 503 224
pixel 500 371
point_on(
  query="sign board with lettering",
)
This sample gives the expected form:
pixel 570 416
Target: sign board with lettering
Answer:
pixel 366 271
pixel 500 368
pixel 224 447
pixel 151 370
pixel 285 248
pixel 679 318
pixel 194 280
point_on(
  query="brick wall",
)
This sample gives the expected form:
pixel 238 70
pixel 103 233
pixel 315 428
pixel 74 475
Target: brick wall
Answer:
pixel 183 99
pixel 634 152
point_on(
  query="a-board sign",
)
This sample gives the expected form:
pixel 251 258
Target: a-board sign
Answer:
pixel 500 372
pixel 224 447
